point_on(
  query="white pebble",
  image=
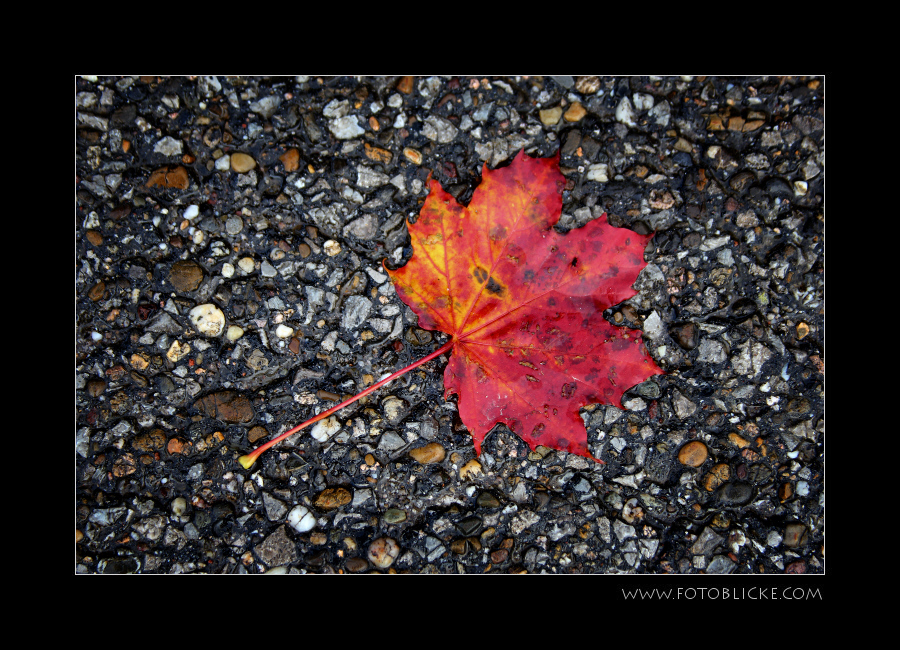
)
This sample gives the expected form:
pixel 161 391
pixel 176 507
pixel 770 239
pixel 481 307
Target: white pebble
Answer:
pixel 227 270
pixel 246 264
pixel 96 336
pixel 179 506
pixel 326 428
pixel 191 212
pixel 301 519
pixel 283 331
pixel 223 164
pixel 208 319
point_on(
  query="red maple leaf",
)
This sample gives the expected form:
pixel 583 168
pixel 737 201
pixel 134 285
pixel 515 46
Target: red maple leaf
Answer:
pixel 524 304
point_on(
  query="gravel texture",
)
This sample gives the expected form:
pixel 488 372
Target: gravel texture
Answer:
pixel 230 234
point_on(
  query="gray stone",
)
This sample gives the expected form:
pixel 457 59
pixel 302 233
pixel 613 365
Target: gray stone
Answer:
pixel 653 327
pixel 168 146
pixel 345 128
pixel 266 106
pixel 365 228
pixel 367 178
pixel 356 311
pixel 711 351
pixel 391 441
pixel 683 406
pixel 750 359
pixel 622 530
pixel 438 129
pixel 721 565
pixel 277 549
pixel 275 509
pixel 163 324
pixel 707 542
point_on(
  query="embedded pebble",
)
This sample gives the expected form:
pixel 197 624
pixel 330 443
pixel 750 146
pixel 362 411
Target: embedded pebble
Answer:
pixel 324 429
pixel 207 319
pixel 430 453
pixel 283 331
pixel 301 519
pixel 693 454
pixel 247 265
pixel 234 333
pixel 242 163
pixel 356 311
pixel 383 551
pixel 179 506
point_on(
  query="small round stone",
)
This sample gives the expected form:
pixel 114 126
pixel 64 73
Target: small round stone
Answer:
pixel 383 551
pixel 207 319
pixel 234 333
pixel 693 454
pixel 242 163
pixel 179 506
pixel 185 275
pixel 394 516
pixel 301 519
pixel 284 332
pixel 246 264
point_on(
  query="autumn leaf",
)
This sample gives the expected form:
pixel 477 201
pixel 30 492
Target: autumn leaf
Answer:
pixel 524 304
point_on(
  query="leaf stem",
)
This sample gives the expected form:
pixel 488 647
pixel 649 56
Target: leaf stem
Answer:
pixel 248 460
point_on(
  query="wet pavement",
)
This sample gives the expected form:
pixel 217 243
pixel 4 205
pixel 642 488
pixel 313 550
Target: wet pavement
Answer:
pixel 230 233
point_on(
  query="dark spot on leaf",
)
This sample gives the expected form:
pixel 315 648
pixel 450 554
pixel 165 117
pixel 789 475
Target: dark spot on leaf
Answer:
pixel 480 274
pixel 574 262
pixel 538 430
pixel 568 390
pixel 494 288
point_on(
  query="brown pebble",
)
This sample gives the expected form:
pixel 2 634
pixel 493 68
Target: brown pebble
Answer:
pixel 257 433
pixel 96 387
pixel 575 113
pixel 693 454
pixel 470 470
pixel 176 446
pixel 332 498
pixel 94 237
pixel 226 405
pixel 185 275
pixel 356 565
pixel 378 154
pixel 151 441
pixel 176 177
pixel 499 556
pixel 96 292
pixel 430 453
pixel 290 159
pixel 717 475
pixel 242 163
pixel 412 156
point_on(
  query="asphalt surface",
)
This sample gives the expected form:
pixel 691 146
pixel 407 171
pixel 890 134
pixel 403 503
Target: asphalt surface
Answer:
pixel 230 233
